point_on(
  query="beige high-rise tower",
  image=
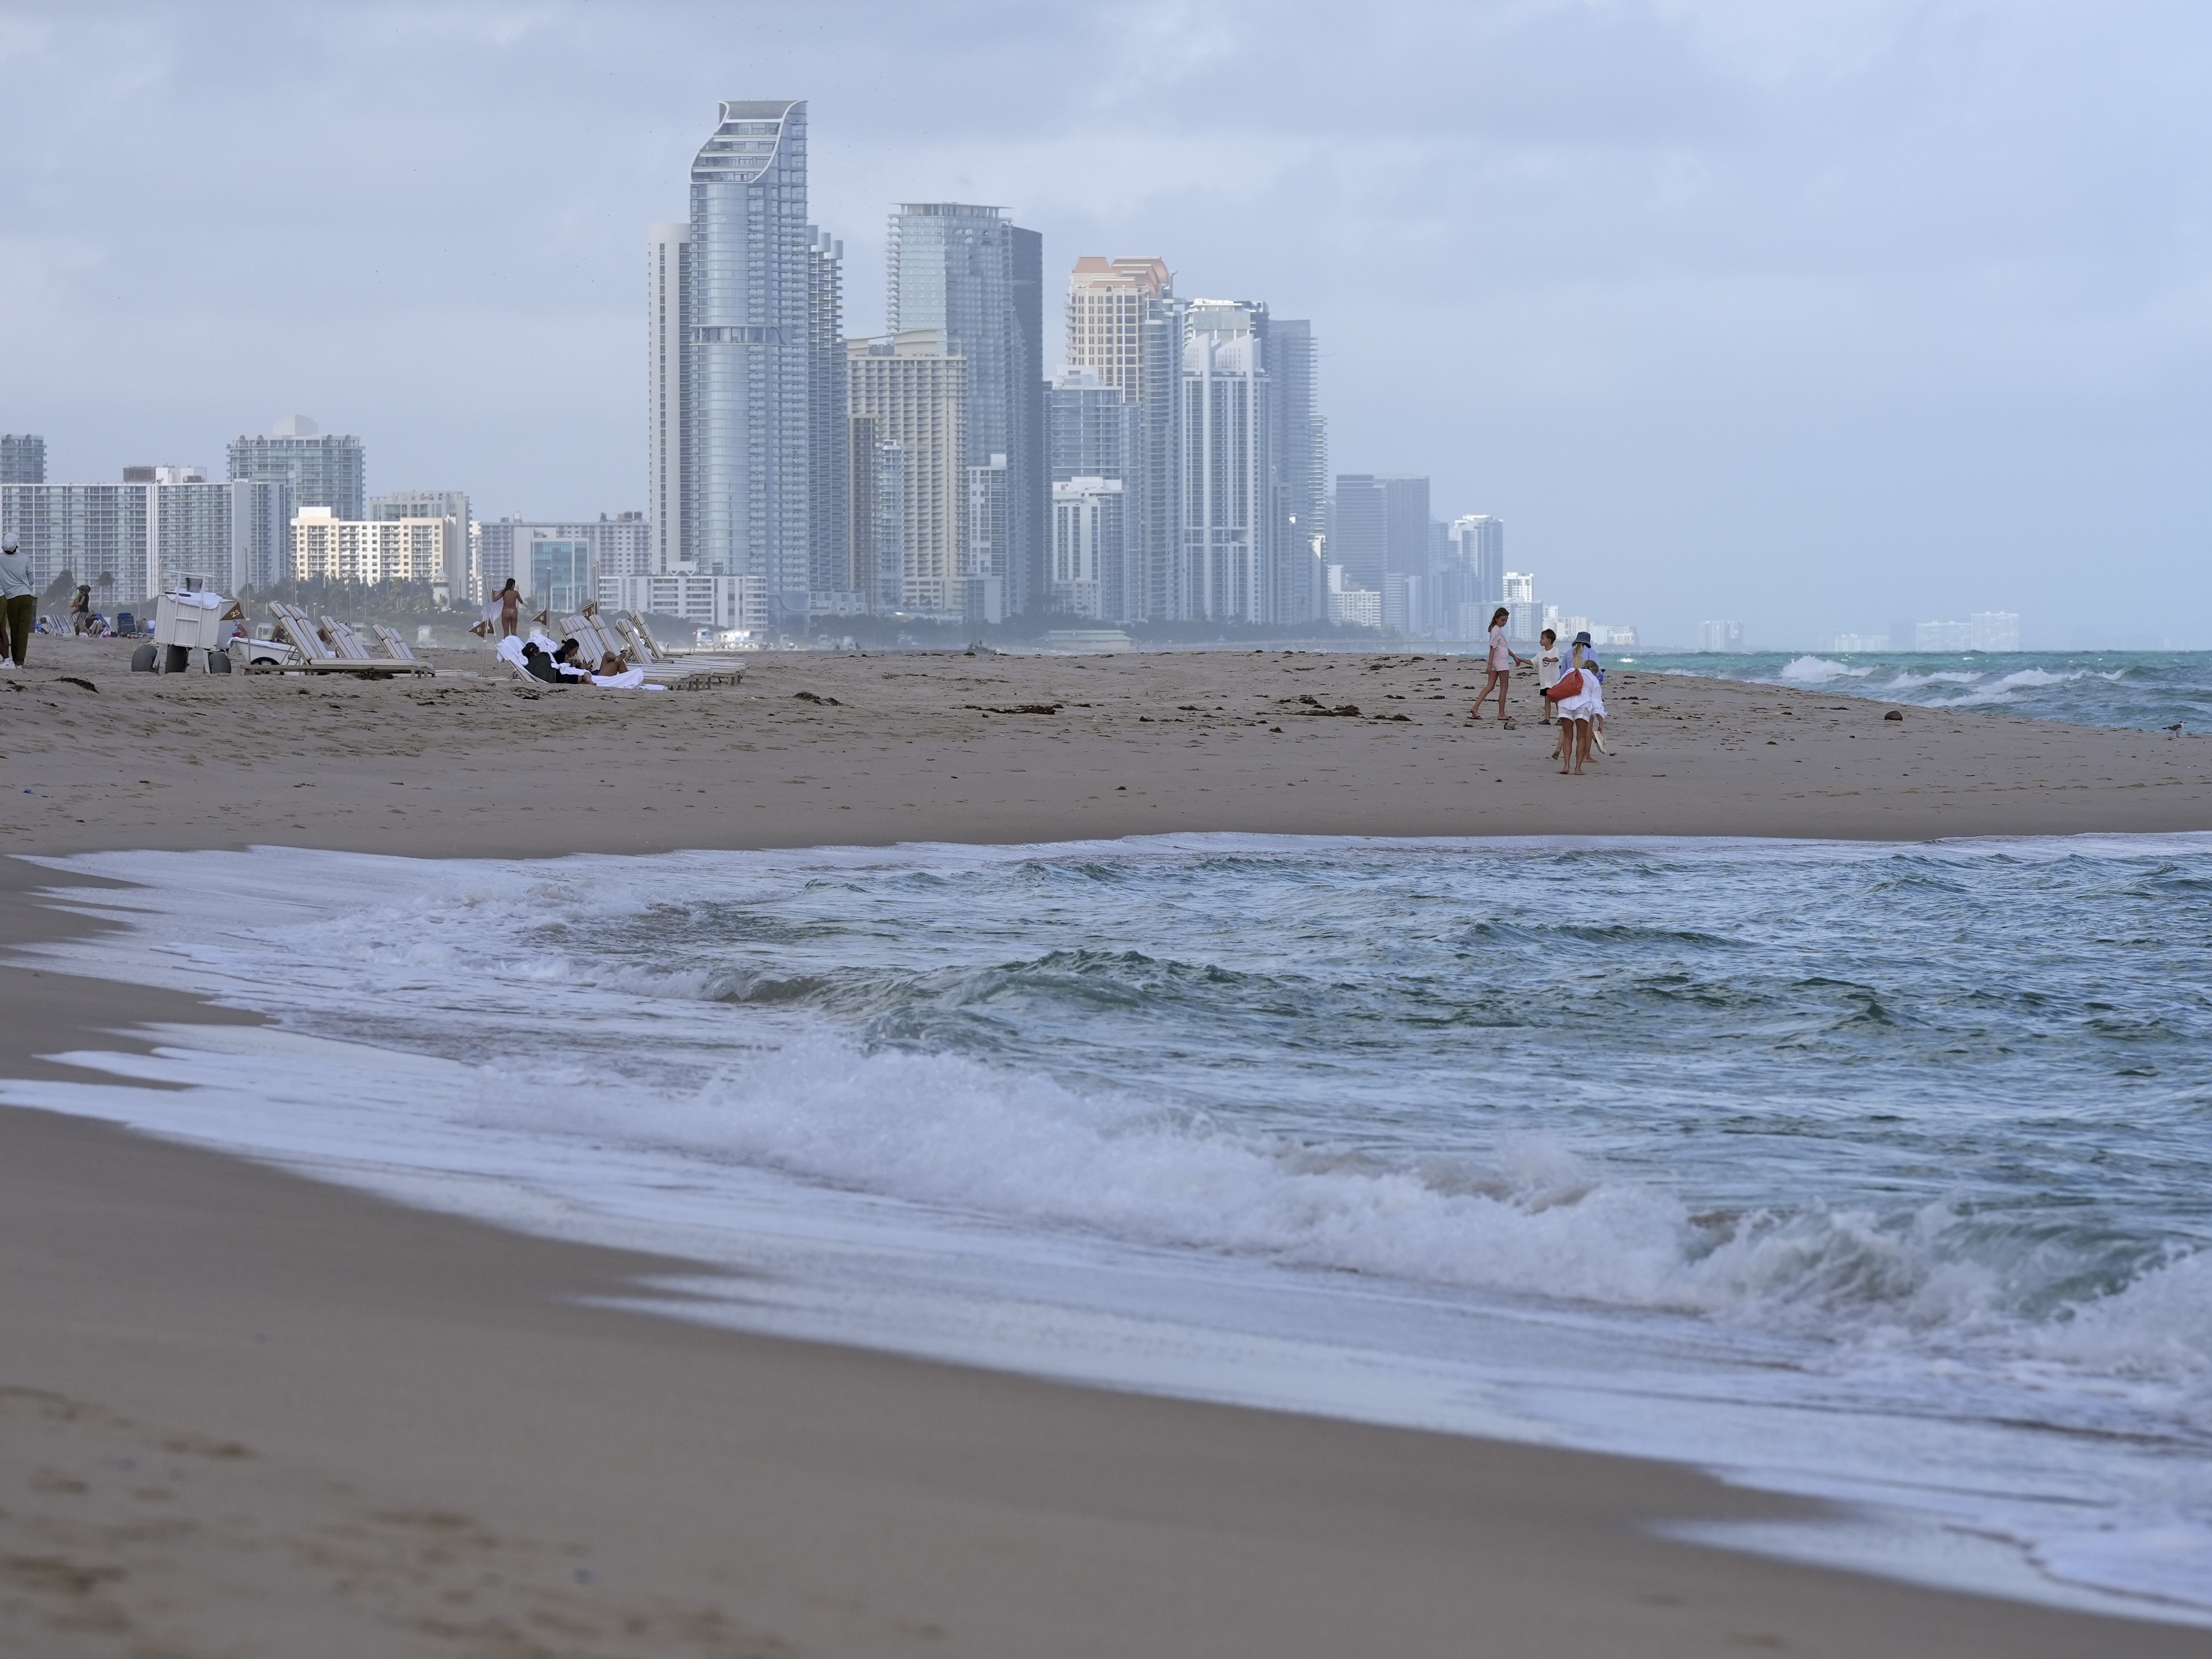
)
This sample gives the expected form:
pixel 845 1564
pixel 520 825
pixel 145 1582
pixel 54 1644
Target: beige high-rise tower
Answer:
pixel 1125 324
pixel 913 389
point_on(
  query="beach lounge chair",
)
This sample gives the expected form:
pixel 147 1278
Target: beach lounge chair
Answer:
pixel 347 642
pixel 353 650
pixel 625 634
pixel 633 629
pixel 316 657
pixel 395 648
pixel 597 640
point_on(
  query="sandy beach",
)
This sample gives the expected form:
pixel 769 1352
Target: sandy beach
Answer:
pixel 820 749
pixel 250 1414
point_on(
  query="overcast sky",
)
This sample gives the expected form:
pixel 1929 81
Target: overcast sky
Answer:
pixel 1821 315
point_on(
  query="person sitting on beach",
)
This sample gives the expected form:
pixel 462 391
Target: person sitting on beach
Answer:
pixel 569 659
pixel 1500 665
pixel 539 666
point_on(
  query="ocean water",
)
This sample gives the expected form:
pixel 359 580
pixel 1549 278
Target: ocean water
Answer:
pixel 2146 690
pixel 1878 1173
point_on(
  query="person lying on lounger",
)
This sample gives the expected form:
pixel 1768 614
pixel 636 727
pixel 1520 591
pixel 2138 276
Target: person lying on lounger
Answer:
pixel 539 666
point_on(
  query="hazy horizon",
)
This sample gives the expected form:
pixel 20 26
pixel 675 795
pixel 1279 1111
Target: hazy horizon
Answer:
pixel 1821 321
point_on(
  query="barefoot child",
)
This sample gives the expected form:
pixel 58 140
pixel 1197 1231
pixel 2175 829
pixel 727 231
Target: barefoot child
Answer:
pixel 1502 658
pixel 1548 667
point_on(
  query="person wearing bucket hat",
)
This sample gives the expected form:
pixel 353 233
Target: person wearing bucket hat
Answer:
pixel 19 599
pixel 1582 706
pixel 1586 654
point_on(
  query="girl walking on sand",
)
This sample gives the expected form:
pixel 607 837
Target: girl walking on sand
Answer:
pixel 1502 658
pixel 510 611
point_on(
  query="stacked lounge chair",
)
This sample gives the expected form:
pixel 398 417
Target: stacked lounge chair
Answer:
pixel 345 655
pixel 395 648
pixel 625 635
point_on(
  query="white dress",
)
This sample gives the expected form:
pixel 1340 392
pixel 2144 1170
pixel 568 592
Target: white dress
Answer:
pixel 1589 704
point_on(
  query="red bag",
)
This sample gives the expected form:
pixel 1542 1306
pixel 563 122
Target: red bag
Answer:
pixel 1570 684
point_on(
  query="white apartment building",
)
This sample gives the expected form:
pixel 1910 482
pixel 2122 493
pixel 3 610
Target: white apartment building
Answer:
pixel 1089 527
pixel 370 551
pixel 1358 607
pixel 718 602
pixel 129 540
pixel 95 532
pixel 1524 617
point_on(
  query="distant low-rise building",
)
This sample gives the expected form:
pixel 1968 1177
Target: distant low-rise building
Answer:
pixel 1993 630
pixel 1942 636
pixel 621 546
pixel 1720 636
pixel 1846 644
pixel 371 552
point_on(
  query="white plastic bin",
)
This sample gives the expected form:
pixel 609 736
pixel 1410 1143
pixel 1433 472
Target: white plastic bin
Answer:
pixel 193 620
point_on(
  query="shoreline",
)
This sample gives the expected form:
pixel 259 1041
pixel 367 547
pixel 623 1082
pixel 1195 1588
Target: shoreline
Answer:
pixel 372 1378
pixel 354 1426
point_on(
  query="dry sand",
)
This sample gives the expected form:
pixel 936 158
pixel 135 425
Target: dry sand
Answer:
pixel 244 1413
pixel 918 748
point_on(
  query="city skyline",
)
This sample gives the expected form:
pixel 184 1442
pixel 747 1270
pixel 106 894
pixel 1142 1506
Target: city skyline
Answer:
pixel 1677 302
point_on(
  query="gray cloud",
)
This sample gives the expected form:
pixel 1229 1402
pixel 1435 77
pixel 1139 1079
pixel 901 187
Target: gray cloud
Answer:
pixel 1816 315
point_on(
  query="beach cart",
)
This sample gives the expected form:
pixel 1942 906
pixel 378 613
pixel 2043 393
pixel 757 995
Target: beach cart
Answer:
pixel 193 618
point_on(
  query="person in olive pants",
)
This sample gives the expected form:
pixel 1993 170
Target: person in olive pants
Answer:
pixel 18 602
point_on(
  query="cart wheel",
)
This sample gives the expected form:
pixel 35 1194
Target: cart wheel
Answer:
pixel 143 660
pixel 175 659
pixel 218 662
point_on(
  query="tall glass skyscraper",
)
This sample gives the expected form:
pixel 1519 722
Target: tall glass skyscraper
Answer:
pixel 1232 493
pixel 748 340
pixel 1302 441
pixel 968 273
pixel 830 530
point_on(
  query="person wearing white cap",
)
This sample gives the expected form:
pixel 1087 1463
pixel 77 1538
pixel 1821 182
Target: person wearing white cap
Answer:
pixel 19 600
